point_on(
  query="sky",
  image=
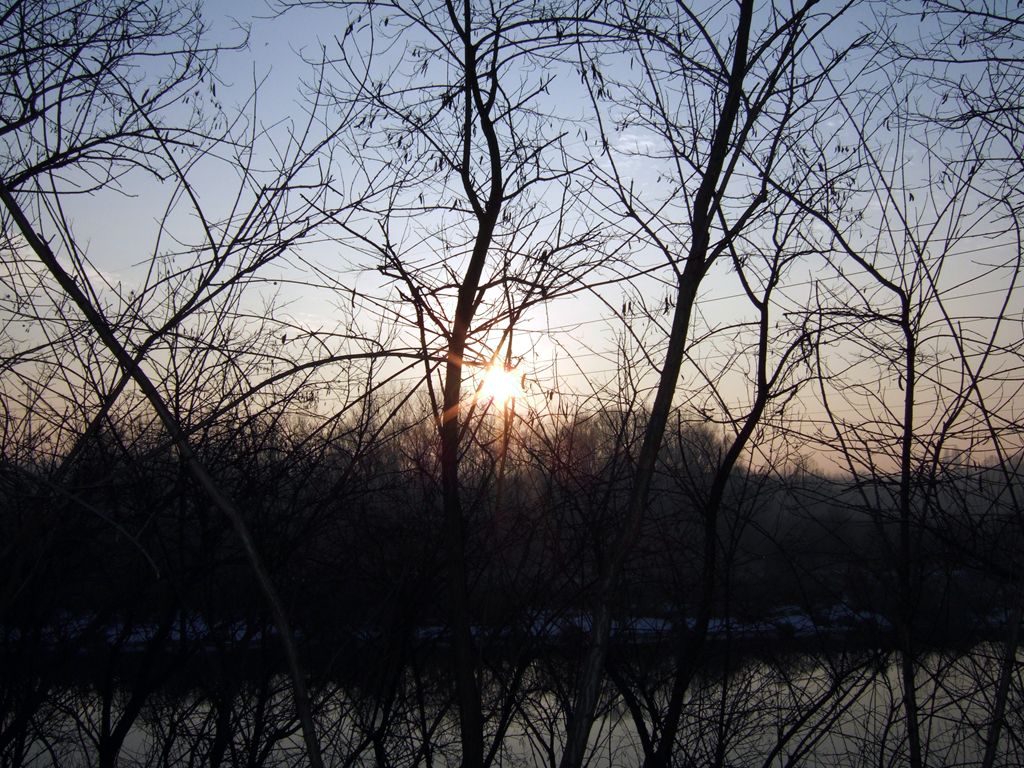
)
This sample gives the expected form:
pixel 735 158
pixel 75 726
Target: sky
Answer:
pixel 573 344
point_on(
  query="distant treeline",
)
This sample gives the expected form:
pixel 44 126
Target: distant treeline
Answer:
pixel 118 543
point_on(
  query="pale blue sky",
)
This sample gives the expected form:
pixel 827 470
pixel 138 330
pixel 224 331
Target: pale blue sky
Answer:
pixel 580 328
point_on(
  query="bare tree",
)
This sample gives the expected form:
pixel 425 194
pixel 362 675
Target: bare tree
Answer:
pixel 913 397
pixel 474 170
pixel 86 106
pixel 470 221
pixel 713 111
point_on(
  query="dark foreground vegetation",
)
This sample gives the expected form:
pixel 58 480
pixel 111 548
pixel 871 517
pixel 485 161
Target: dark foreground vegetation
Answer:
pixel 512 383
pixel 136 632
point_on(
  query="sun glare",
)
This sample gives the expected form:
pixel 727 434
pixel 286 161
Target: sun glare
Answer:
pixel 501 385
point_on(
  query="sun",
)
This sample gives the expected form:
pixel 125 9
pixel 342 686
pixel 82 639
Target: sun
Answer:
pixel 501 385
